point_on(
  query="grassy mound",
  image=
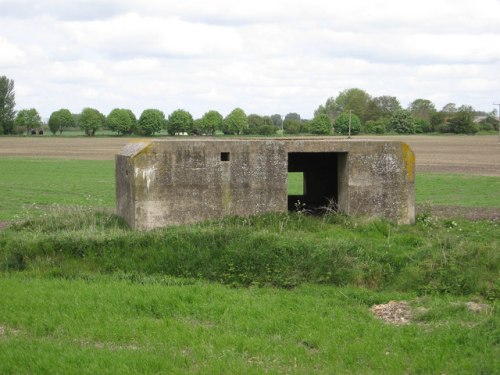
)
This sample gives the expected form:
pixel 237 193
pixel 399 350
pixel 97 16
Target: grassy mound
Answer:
pixel 283 250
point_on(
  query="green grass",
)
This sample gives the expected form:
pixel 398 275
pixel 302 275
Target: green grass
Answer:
pixel 283 250
pixel 458 190
pixel 296 183
pixel 28 184
pixel 108 325
pixel 277 293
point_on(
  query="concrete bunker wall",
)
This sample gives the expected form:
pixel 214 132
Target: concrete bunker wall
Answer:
pixel 178 181
pixel 186 181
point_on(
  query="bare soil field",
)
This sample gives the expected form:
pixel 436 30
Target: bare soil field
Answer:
pixel 478 155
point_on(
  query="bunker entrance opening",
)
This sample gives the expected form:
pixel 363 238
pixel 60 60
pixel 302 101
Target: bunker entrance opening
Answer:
pixel 322 176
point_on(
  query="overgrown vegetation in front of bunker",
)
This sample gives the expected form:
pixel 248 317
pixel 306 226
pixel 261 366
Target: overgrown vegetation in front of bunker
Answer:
pixel 283 250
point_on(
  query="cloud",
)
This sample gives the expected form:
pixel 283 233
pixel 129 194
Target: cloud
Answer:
pixel 61 9
pixel 131 35
pixel 272 56
pixel 11 54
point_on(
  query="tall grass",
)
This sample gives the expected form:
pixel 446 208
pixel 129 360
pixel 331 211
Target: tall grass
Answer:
pixel 283 250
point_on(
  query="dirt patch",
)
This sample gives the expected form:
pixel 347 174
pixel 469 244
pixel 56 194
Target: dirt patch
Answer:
pixel 62 147
pixel 8 331
pixel 478 155
pixel 478 307
pixel 394 312
pixel 401 313
pixel 469 213
pixel 4 224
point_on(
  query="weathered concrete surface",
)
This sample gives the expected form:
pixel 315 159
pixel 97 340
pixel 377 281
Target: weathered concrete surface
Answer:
pixel 177 181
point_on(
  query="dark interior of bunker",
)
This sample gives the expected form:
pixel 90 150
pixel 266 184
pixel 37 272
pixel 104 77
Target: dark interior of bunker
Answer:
pixel 322 175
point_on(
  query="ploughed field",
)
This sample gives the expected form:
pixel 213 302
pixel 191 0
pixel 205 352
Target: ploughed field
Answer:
pixel 479 155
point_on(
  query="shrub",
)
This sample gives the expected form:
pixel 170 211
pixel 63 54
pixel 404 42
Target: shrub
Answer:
pixel 376 126
pixel 321 124
pixel 402 122
pixel 342 124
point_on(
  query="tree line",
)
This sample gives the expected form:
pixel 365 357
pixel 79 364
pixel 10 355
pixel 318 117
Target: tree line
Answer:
pixel 352 111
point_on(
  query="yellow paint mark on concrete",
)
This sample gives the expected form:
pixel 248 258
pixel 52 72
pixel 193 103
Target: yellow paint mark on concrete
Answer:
pixel 409 162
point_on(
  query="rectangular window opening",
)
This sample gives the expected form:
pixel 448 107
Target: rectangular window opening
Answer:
pixel 224 156
pixel 317 181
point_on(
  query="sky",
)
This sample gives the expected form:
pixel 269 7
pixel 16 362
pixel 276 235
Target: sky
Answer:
pixel 264 56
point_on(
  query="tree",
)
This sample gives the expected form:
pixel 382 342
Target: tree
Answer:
pixel 254 122
pixel 376 126
pixel 277 120
pixel 7 104
pixel 59 120
pixel 211 122
pixel 28 118
pixel 197 128
pixel 423 111
pixel 330 108
pixel 292 116
pixel 262 125
pixel 462 121
pixel 490 122
pixel 122 121
pixel 292 126
pixel 382 107
pixel 321 124
pixel 402 122
pixel 305 126
pixel 180 121
pixel 151 121
pixel 342 124
pixel 91 120
pixel 353 99
pixel 449 108
pixel 267 128
pixel 235 122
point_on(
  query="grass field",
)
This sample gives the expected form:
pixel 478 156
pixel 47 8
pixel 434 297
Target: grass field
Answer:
pixel 29 184
pixel 276 293
pixel 284 293
pixel 110 326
